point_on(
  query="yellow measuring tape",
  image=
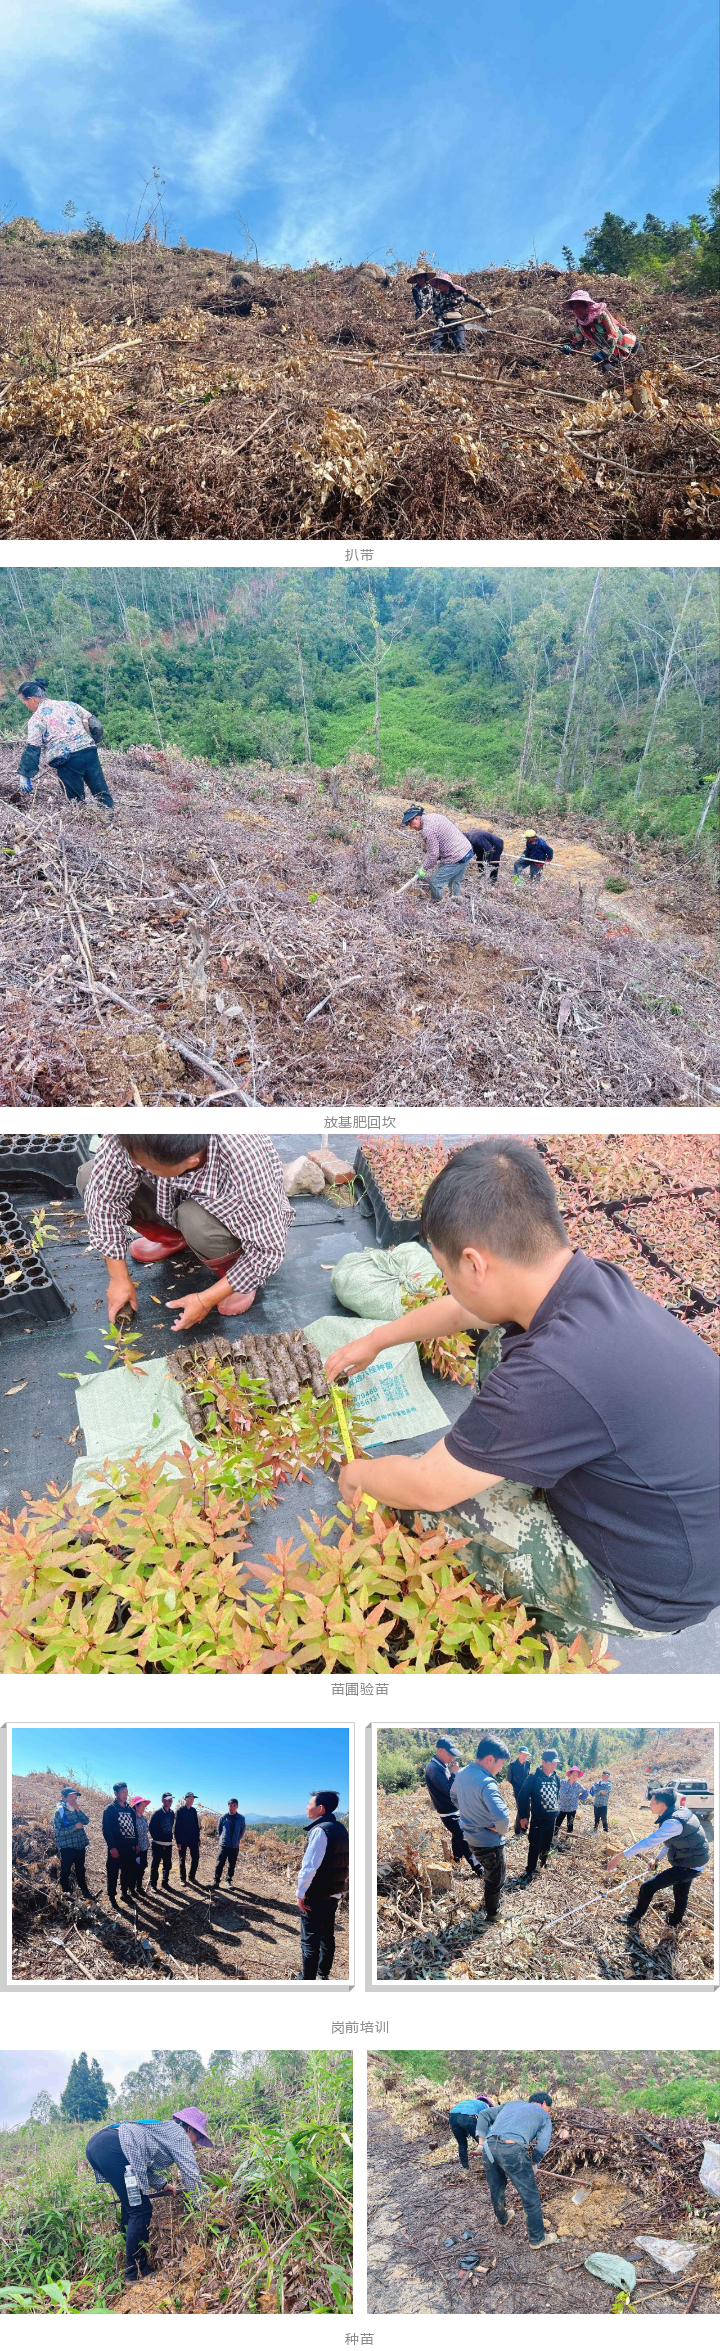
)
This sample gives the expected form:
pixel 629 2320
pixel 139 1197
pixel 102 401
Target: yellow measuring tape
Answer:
pixel 341 1417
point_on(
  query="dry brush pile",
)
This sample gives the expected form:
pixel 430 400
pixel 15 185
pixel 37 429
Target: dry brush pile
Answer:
pixel 151 393
pixel 430 1911
pixel 234 936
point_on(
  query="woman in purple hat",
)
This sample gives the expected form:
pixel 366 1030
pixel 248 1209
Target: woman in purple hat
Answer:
pixel 133 2157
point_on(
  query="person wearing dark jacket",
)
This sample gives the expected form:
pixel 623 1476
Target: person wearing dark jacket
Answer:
pixel 487 847
pixel 187 1837
pixel 231 1830
pixel 439 1781
pixel 519 2134
pixel 517 1773
pixel 120 1832
pixel 535 855
pixel 537 1805
pixel 484 1817
pixel 470 2119
pixel 161 1837
pixel 322 1878
pixel 687 1851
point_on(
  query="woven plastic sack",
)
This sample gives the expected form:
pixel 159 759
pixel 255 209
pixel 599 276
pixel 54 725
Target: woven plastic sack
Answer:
pixel 392 1394
pixel 710 2168
pixel 121 1414
pixel 612 2269
pixel 371 1281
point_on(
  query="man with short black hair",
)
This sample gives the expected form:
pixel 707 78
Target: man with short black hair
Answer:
pixel 221 1196
pixel 69 1824
pixel 187 1837
pixel 69 736
pixel 322 1879
pixel 230 1833
pixel 440 1782
pixel 517 1773
pixel 484 1817
pixel 161 1837
pixel 688 1853
pixel 597 1396
pixel 119 1828
pixel 519 2134
pixel 537 1804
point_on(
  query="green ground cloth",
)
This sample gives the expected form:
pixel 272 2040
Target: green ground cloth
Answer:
pixel 392 1394
pixel 120 1415
pixel 372 1281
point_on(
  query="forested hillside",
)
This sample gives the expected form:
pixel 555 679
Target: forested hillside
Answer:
pixel 553 692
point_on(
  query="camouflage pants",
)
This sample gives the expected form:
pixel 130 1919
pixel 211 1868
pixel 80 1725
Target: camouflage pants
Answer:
pixel 518 1549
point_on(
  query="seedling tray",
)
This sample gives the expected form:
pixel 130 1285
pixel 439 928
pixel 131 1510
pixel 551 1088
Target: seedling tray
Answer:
pixel 285 1361
pixel 701 1299
pixel 26 1287
pixel 52 1160
pixel 389 1229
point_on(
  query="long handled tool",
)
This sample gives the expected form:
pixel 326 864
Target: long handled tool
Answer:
pixel 341 1417
pixel 414 877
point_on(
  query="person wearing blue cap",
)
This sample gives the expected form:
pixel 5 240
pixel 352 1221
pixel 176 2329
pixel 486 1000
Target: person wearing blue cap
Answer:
pixel 69 1825
pixel 440 1775
pixel 537 1806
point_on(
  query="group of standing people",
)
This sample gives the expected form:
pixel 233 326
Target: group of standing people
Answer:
pixel 448 851
pixel 132 1839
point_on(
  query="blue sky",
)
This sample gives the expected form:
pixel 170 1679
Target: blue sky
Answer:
pixel 269 1771
pixel 339 131
pixel 24 2072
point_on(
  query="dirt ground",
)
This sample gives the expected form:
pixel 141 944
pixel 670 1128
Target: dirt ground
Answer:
pixel 151 393
pixel 443 1935
pixel 238 935
pixel 246 1932
pixel 419 2197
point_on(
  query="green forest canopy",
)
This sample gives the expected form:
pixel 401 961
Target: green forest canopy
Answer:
pixel 678 251
pixel 403 1754
pixel 683 2081
pixel 524 691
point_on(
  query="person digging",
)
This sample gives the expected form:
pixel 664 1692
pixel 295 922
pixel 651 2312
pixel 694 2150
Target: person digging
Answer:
pixel 221 1196
pixel 470 2121
pixel 688 1852
pixel 484 1818
pixel 584 1472
pixel 446 850
pixel 69 1825
pixel 119 1828
pixel 519 2134
pixel 133 2159
pixel 68 736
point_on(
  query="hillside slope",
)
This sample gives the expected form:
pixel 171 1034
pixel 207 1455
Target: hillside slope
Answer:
pixel 149 392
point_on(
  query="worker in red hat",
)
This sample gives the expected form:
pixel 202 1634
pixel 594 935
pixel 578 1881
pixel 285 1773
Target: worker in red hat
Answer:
pixel 597 330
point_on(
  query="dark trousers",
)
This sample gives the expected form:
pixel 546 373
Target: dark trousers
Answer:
pixel 124 1869
pixel 540 1836
pixel 512 2162
pixel 317 1938
pixel 229 1854
pixel 81 768
pixel 490 866
pixel 189 1853
pixel 518 1830
pixel 161 1856
pixel 600 1811
pixel 462 2131
pixel 560 1817
pixel 72 1860
pixel 449 339
pixel 680 1880
pixel 141 1862
pixel 105 2154
pixel 489 1863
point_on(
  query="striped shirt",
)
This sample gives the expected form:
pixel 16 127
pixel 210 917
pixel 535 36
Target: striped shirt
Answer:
pixel 150 2148
pixel 143 1833
pixel 58 728
pixel 240 1182
pixel 443 842
pixel 68 1826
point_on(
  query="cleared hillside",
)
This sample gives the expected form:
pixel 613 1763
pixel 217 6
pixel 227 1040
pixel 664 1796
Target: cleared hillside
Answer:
pixel 150 392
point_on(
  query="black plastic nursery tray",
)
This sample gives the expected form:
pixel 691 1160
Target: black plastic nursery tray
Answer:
pixel 51 1160
pixel 26 1287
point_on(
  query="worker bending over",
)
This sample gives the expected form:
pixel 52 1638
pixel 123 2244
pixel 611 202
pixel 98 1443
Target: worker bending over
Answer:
pixel 133 2158
pixel 596 330
pixel 520 2132
pixel 484 1817
pixel 587 1390
pixel 322 1879
pixel 687 1851
pixel 68 737
pixel 469 2120
pixel 69 1824
pixel 536 854
pixel 447 851
pixel 487 849
pixel 221 1196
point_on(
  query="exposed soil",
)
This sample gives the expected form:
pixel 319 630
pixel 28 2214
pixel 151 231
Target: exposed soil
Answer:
pixel 425 1934
pixel 642 2178
pixel 151 393
pixel 201 946
pixel 246 1932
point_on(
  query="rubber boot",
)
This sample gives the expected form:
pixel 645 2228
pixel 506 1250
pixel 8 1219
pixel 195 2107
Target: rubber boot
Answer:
pixel 146 1251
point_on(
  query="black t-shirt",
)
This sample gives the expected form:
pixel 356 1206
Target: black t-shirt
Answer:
pixel 612 1406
